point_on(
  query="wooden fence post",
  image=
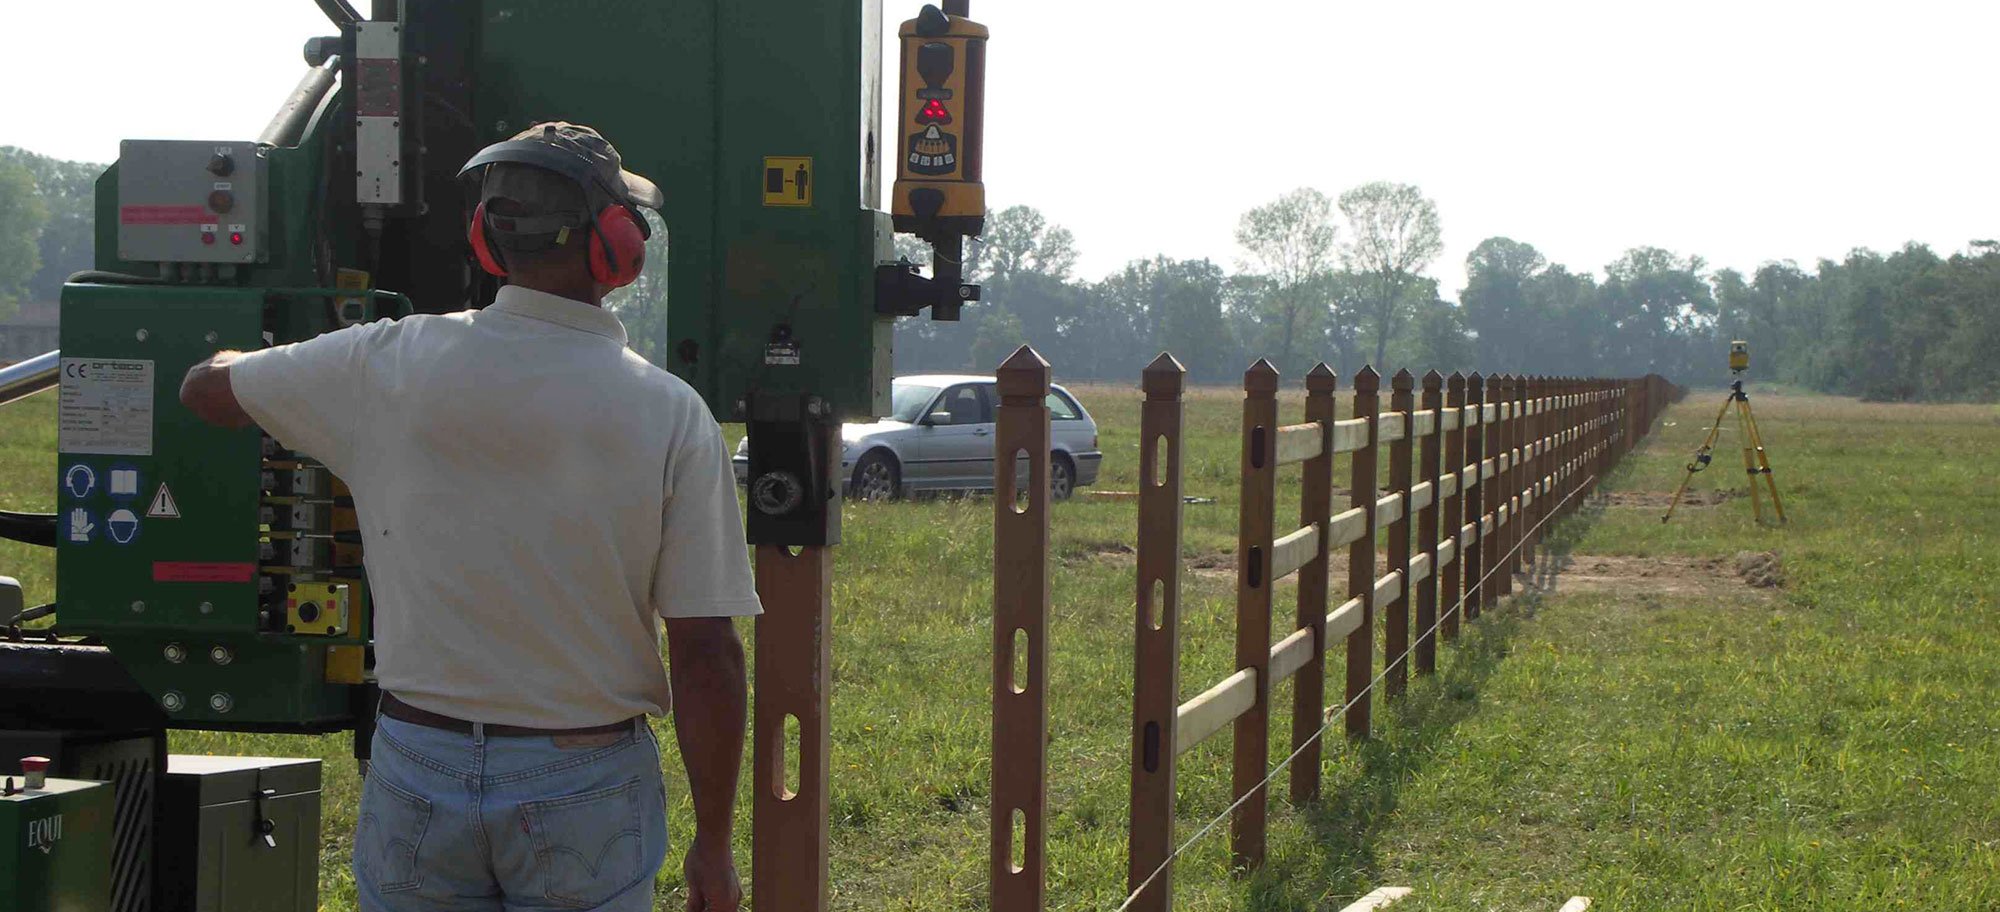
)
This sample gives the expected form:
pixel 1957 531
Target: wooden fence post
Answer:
pixel 1449 590
pixel 1427 523
pixel 1523 441
pixel 1361 554
pixel 1156 656
pixel 1396 638
pixel 1476 499
pixel 1531 461
pixel 794 660
pixel 1253 606
pixel 1315 505
pixel 1506 469
pixel 1020 623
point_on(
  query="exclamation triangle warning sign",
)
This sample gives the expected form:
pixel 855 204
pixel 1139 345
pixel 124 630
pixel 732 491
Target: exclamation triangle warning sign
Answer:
pixel 163 505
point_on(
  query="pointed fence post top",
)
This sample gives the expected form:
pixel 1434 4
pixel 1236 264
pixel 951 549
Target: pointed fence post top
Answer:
pixel 1403 381
pixel 1433 380
pixel 1024 375
pixel 1366 380
pixel 1322 379
pixel 1165 378
pixel 1455 382
pixel 1474 383
pixel 1261 379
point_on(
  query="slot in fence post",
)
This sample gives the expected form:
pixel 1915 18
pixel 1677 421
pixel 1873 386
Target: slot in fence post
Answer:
pixel 1156 655
pixel 1427 523
pixel 1449 589
pixel 1253 608
pixel 1361 555
pixel 1020 605
pixel 1315 506
pixel 1396 638
pixel 1476 492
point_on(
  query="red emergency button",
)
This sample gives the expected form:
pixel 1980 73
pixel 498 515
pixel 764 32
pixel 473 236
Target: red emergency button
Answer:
pixel 236 238
pixel 208 237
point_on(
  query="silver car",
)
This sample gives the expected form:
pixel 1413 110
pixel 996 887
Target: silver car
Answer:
pixel 939 437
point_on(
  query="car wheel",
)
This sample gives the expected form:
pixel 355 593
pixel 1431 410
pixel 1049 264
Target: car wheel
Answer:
pixel 876 477
pixel 1062 477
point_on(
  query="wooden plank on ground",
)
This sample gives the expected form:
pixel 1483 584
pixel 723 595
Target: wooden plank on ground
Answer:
pixel 1380 898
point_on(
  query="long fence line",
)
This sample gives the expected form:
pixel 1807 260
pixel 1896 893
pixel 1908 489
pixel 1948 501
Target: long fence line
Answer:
pixel 1476 468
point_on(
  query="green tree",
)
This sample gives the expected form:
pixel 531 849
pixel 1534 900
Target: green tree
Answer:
pixel 68 193
pixel 1291 245
pixel 1393 234
pixel 1019 239
pixel 1496 304
pixel 1175 306
pixel 21 219
pixel 995 337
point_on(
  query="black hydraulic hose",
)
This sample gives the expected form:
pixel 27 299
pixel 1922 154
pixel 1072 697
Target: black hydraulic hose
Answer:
pixel 339 11
pixel 29 528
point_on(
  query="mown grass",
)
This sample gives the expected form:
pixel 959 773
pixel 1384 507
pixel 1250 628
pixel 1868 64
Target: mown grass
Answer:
pixel 1829 747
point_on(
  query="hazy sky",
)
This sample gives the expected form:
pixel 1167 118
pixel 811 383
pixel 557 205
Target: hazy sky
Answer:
pixel 1741 131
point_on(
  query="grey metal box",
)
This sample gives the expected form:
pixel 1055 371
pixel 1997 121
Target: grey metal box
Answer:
pixel 239 834
pixel 191 201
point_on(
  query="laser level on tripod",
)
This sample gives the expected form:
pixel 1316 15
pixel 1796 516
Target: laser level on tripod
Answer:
pixel 1756 463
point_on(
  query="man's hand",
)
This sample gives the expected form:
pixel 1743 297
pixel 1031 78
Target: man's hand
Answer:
pixel 711 879
pixel 206 392
pixel 705 662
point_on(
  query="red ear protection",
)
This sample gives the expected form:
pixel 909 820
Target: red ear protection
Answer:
pixel 617 247
pixel 481 250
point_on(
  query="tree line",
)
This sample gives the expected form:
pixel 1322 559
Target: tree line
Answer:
pixel 1340 279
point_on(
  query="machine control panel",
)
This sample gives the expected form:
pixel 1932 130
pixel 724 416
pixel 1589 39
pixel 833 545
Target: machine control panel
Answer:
pixel 182 201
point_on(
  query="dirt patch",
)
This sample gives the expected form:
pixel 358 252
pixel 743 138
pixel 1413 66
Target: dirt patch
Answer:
pixel 1655 577
pixel 1658 500
pixel 1760 569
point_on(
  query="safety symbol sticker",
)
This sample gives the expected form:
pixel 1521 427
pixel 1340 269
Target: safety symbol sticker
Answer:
pixel 80 480
pixel 163 505
pixel 788 180
pixel 123 525
pixel 124 481
pixel 80 525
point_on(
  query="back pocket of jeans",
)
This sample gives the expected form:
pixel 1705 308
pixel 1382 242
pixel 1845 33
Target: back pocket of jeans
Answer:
pixel 388 836
pixel 588 846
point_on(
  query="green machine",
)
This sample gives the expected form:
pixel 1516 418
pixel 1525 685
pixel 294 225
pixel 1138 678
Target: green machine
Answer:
pixel 58 845
pixel 217 576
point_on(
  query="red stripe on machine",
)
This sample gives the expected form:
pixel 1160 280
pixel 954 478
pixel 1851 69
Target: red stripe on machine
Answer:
pixel 164 215
pixel 202 572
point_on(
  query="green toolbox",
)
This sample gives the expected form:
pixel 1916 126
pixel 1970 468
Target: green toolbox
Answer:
pixel 239 834
pixel 58 848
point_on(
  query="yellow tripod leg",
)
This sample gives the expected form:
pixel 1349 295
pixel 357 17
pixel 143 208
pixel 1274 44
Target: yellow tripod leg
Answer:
pixel 1749 459
pixel 1714 430
pixel 1764 462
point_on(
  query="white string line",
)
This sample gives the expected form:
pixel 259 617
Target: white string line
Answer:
pixel 1331 714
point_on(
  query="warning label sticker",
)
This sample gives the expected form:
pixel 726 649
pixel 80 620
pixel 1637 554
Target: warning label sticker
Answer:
pixel 106 406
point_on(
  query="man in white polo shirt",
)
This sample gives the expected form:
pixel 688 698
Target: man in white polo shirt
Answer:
pixel 534 497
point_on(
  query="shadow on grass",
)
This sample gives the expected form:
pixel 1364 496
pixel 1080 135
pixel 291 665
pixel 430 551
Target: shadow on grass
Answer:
pixel 1348 820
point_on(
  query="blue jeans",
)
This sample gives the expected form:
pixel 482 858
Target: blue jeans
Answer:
pixel 456 823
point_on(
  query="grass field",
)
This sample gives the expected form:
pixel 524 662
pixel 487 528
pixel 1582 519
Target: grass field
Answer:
pixel 1650 730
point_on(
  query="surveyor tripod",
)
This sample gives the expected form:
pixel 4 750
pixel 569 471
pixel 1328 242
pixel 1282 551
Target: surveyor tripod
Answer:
pixel 1755 462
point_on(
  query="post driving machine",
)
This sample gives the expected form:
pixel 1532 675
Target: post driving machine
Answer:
pixel 211 579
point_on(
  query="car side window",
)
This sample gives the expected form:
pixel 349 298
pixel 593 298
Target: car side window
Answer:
pixel 1061 408
pixel 967 404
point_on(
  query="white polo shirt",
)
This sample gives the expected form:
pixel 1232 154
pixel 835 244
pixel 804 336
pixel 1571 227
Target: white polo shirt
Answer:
pixel 533 497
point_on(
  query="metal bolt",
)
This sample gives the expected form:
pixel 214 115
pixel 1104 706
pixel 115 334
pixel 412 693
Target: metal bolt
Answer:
pixel 500 126
pixel 221 655
pixel 220 702
pixel 175 653
pixel 207 607
pixel 212 337
pixel 138 607
pixel 141 335
pixel 171 701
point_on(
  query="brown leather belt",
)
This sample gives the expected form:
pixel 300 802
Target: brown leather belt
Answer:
pixel 399 710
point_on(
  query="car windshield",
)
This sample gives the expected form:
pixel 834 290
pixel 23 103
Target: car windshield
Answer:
pixel 908 400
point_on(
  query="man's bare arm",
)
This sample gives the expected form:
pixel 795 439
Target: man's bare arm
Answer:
pixel 206 392
pixel 705 662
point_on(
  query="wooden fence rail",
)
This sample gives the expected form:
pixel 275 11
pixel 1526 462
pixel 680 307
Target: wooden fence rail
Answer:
pixel 1476 466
